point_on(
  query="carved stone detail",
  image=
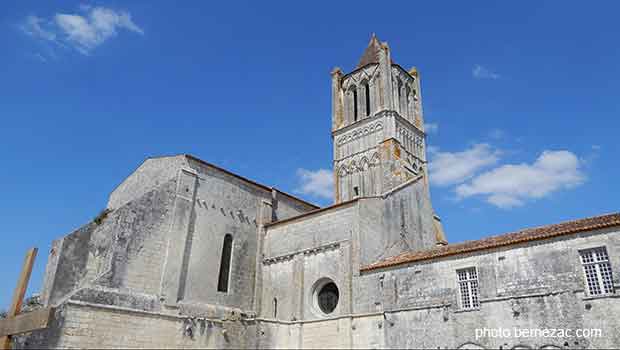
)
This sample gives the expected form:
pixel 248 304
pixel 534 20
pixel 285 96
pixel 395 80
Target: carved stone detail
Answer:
pixel 356 134
pixel 411 140
pixel 369 73
pixel 361 163
pixel 310 251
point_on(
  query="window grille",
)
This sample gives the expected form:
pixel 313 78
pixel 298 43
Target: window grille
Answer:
pixel 468 288
pixel 597 270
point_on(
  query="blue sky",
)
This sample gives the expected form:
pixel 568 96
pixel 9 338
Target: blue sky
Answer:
pixel 521 100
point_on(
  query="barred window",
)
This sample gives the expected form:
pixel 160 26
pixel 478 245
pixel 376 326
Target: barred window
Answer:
pixel 597 271
pixel 468 288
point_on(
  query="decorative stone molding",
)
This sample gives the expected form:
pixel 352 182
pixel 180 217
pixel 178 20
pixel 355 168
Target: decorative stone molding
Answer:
pixel 409 135
pixel 356 134
pixel 359 164
pixel 399 73
pixel 412 140
pixel 237 214
pixel 310 251
pixel 368 73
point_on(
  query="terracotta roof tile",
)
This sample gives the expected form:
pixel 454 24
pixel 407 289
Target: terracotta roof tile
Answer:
pixel 525 235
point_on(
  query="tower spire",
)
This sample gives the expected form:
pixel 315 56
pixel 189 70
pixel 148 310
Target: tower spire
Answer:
pixel 376 125
pixel 371 54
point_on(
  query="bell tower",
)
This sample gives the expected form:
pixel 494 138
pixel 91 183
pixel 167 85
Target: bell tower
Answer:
pixel 377 125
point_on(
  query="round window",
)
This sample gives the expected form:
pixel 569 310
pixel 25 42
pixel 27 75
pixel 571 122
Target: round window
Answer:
pixel 327 297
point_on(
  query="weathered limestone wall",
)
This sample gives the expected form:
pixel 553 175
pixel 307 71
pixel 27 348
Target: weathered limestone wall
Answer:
pixel 82 325
pixel 299 253
pixel 159 254
pixel 329 226
pixel 273 334
pixel 334 244
pixel 534 285
pixel 152 173
pixel 145 274
pixel 122 250
pixel 223 205
pixel 398 222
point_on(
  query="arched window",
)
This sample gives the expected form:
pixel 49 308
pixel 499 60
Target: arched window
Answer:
pixel 367 95
pixel 222 283
pixel 408 102
pixel 354 104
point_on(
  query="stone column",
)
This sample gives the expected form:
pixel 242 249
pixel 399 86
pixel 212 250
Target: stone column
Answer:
pixel 385 65
pixel 265 216
pixel 337 110
pixel 178 236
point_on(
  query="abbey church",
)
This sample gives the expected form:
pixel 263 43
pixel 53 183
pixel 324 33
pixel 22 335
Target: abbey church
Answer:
pixel 190 255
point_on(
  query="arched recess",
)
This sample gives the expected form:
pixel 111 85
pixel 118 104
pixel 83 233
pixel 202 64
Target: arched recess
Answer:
pixel 350 103
pixel 377 86
pixel 399 95
pixel 375 160
pixel 353 168
pixel 365 177
pixel 364 164
pixel 367 111
pixel 355 103
pixel 343 170
pixel 408 103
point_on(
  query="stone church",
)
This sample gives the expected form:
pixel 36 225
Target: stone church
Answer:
pixel 188 254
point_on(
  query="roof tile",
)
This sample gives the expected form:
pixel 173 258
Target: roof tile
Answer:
pixel 525 235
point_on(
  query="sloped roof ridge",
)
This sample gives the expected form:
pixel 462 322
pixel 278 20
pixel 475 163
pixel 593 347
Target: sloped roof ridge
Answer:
pixel 250 181
pixel 528 234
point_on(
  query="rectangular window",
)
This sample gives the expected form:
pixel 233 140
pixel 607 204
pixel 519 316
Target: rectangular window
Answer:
pixel 468 288
pixel 597 270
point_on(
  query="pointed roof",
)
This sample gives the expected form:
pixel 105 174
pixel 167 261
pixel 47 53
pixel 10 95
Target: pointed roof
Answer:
pixel 371 54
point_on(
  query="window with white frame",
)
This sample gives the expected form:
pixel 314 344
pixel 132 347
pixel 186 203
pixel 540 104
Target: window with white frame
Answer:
pixel 468 288
pixel 597 270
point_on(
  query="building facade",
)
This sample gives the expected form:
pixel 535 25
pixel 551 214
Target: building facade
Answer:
pixel 191 255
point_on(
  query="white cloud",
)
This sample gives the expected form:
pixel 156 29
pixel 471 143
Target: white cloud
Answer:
pixel 480 72
pixel 512 184
pixel 318 183
pixel 431 128
pixel 34 26
pixel 448 168
pixel 84 31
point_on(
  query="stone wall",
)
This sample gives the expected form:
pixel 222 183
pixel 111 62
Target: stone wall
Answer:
pixel 155 257
pixel 79 325
pixel 145 274
pixel 535 285
pixel 120 249
pixel 300 252
pixel 334 243
pixel 152 173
